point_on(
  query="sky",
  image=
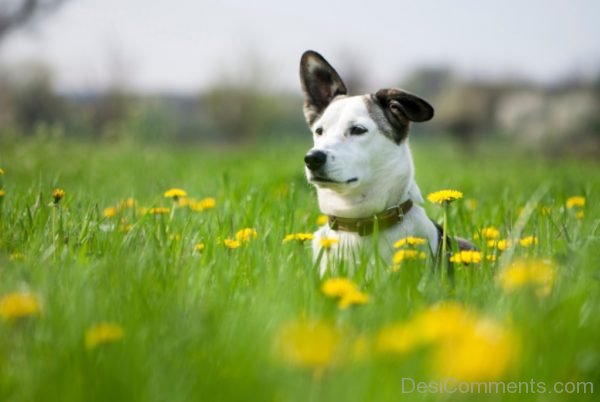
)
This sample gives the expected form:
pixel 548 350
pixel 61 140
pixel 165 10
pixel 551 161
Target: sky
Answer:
pixel 189 45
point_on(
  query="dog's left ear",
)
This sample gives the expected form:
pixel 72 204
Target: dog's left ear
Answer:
pixel 400 108
pixel 320 84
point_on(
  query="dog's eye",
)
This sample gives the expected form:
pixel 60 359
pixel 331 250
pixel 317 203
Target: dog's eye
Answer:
pixel 319 131
pixel 357 130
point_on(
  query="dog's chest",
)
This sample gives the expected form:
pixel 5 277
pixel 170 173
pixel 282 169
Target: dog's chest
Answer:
pixel 334 245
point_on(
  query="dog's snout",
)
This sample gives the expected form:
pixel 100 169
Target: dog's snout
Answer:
pixel 315 159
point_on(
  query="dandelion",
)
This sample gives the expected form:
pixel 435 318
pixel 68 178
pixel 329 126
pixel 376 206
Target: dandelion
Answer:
pixel 535 273
pixel 328 242
pixel 488 233
pixel 351 298
pixel 231 243
pixel 464 345
pixel 205 203
pixel 158 211
pixel 57 195
pixel 407 254
pixel 338 287
pixel 298 237
pixel 175 194
pixel 322 220
pixel 528 241
pixel 484 351
pixel 410 241
pixel 103 333
pixel 245 235
pixel 307 343
pixel 16 257
pixel 110 212
pixel 466 257
pixel 444 196
pixel 199 247
pixel 501 245
pixel 576 201
pixel 18 305
pixel 345 290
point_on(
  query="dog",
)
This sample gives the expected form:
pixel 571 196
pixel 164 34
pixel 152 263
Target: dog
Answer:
pixel 361 164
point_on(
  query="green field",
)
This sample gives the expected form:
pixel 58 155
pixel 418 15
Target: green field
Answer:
pixel 252 323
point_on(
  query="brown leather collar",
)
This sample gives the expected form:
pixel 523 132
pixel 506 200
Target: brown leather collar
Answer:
pixel 364 226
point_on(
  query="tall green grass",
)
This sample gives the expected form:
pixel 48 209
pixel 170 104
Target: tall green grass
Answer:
pixel 203 325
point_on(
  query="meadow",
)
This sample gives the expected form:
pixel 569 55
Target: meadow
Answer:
pixel 112 291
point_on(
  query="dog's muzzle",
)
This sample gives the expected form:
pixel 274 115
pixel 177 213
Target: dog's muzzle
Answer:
pixel 315 159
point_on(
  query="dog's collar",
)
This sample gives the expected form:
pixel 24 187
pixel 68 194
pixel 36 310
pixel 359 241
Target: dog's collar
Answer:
pixel 365 226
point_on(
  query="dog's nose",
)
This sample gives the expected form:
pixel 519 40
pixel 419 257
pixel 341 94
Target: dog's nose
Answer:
pixel 315 159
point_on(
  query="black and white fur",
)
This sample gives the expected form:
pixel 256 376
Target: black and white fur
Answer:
pixel 361 163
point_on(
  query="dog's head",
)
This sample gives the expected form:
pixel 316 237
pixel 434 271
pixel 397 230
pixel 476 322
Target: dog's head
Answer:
pixel 359 141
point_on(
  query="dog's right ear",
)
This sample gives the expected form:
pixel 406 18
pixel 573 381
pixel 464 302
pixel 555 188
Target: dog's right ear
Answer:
pixel 320 84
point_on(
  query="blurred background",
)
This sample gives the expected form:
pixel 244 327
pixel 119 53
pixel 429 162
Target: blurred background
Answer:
pixel 226 72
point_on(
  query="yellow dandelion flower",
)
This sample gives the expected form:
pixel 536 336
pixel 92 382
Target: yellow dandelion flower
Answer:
pixel 206 203
pixel 110 212
pixel 246 234
pixel 159 211
pixel 467 357
pixel 462 343
pixel 19 305
pixel 231 243
pixel 328 242
pixel 175 193
pixel 299 237
pixel 576 201
pixel 528 241
pixel 16 257
pixel 307 343
pixel 466 257
pixel 408 254
pixel 536 273
pixel 103 333
pixel 501 245
pixel 345 290
pixel 322 220
pixel 356 297
pixel 57 195
pixel 444 196
pixel 432 325
pixel 199 247
pixel 338 287
pixel 488 233
pixel 410 241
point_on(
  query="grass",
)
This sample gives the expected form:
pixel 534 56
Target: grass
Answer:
pixel 207 325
